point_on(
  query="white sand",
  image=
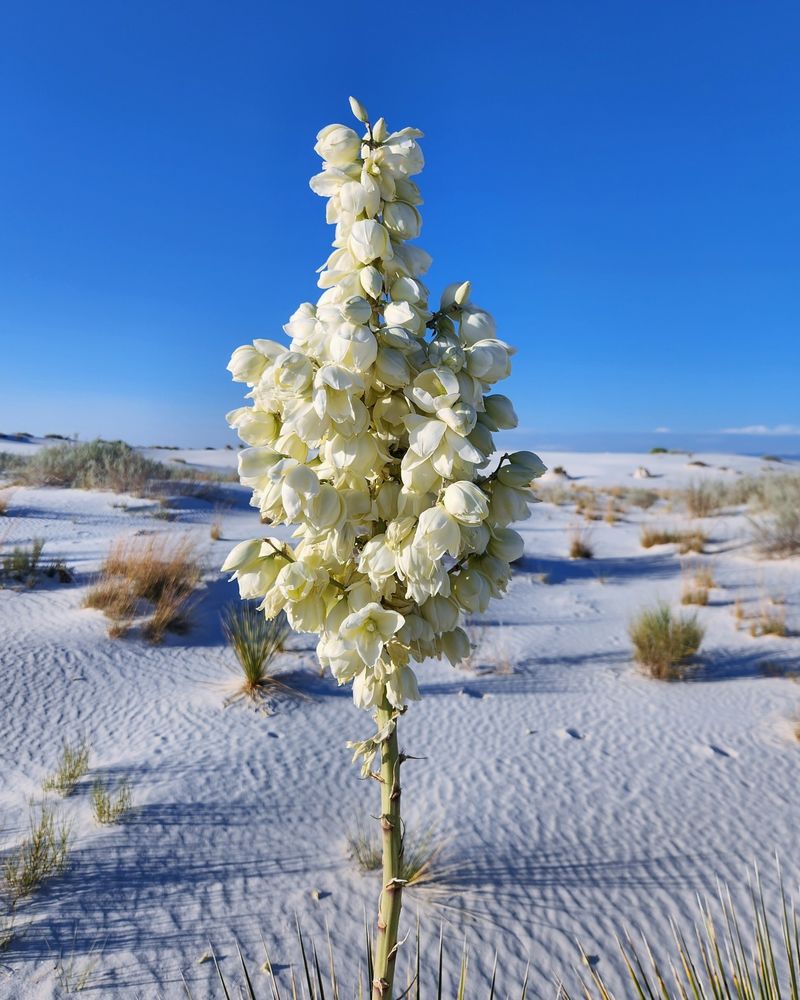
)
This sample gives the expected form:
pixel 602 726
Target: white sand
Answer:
pixel 579 796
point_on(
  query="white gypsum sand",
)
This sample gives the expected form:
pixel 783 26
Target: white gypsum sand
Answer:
pixel 601 800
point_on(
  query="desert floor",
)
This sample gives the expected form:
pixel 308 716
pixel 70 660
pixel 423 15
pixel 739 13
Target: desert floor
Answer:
pixel 576 796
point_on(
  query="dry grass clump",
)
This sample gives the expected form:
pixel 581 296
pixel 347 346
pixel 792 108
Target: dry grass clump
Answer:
pixel 698 581
pixel 215 531
pixel 769 621
pixel 255 641
pixel 5 500
pixel 687 541
pixel 110 806
pixel 704 499
pixel 40 856
pixel 642 498
pixel 72 766
pixel 579 545
pixel 663 644
pixel 161 571
pixel 777 532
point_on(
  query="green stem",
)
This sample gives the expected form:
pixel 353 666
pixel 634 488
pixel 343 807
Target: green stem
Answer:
pixel 392 891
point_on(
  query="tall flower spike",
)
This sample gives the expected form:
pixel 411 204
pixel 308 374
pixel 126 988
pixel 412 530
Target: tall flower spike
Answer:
pixel 370 433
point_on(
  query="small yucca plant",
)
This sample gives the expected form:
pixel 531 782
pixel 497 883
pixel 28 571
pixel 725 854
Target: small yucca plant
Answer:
pixel 255 641
pixel 664 643
pixel 728 956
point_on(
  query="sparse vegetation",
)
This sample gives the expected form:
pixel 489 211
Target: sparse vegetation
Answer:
pixel 5 500
pixel 726 955
pixel 697 583
pixel 109 806
pixel 687 541
pixel 642 498
pixel 579 545
pixel 255 641
pixel 215 531
pixel 23 564
pixel 664 643
pixel 72 766
pixel 777 532
pixel 658 451
pixel 703 499
pixel 40 856
pixel 420 854
pixel 98 465
pixel 158 570
pixel 769 621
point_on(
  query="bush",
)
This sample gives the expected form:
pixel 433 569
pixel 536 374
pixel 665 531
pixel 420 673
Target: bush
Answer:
pixel 777 532
pixel 703 499
pixel 255 641
pixel 100 465
pixel 74 763
pixel 420 854
pixel 663 644
pixel 159 570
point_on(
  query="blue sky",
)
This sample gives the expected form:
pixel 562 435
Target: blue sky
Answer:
pixel 619 180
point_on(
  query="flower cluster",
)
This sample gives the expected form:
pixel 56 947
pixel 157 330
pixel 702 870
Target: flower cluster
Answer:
pixel 371 435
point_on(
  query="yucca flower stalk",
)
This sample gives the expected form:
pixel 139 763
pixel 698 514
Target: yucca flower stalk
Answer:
pixel 371 435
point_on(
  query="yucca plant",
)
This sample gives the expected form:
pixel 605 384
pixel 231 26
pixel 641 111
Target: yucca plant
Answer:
pixel 255 642
pixel 725 957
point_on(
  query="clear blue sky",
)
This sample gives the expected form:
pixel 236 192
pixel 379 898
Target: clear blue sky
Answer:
pixel 619 180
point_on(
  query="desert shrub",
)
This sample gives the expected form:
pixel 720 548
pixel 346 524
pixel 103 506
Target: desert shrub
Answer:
pixel 21 563
pixel 658 451
pixel 72 766
pixel 159 570
pixel 687 541
pixel 10 464
pixel 108 805
pixel 101 465
pixel 579 545
pixel 40 856
pixel 703 499
pixel 777 532
pixel 769 621
pixel 642 498
pixel 255 642
pixel 664 643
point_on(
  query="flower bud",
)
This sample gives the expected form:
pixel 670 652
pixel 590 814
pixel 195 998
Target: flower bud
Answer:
pixel 506 544
pixel 441 613
pixel 247 364
pixel 379 131
pixel 356 310
pixel 403 221
pixel 359 110
pixel 455 645
pixel 371 281
pixel 466 502
pixel 369 241
pixel 522 469
pixel 462 294
pixel 501 411
pixel 338 144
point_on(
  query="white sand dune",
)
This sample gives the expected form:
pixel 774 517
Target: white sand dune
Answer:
pixel 578 796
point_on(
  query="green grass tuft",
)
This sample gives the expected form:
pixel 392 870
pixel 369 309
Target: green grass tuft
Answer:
pixel 42 855
pixel 110 806
pixel 663 643
pixel 72 766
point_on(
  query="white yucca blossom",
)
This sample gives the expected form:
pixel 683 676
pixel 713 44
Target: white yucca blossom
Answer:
pixel 370 433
